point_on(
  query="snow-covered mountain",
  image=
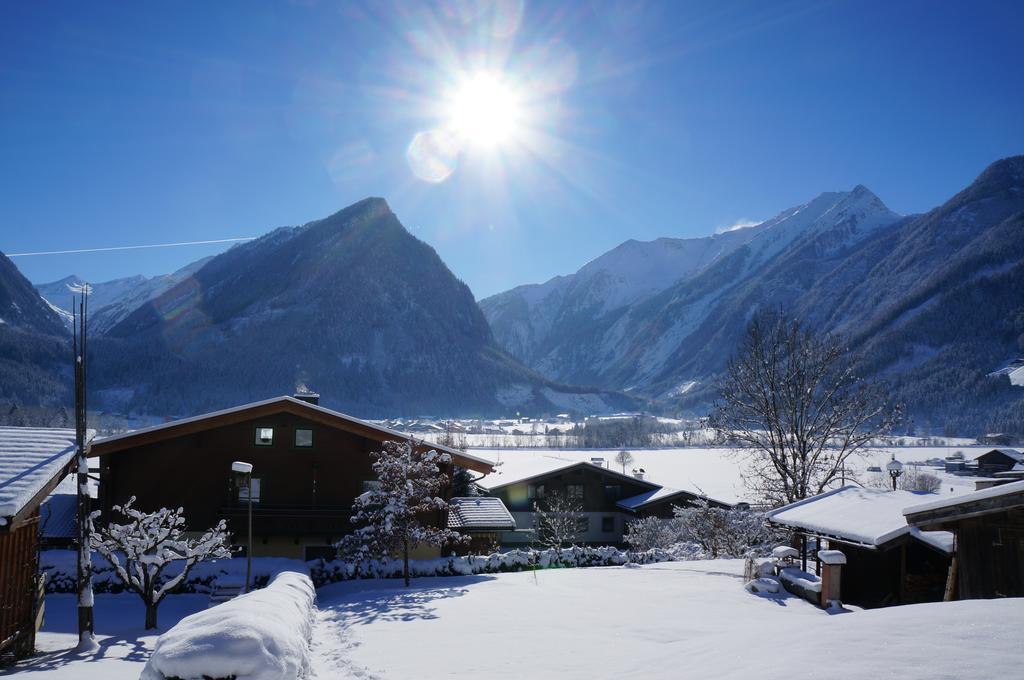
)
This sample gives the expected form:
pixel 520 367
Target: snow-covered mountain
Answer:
pixel 111 301
pixel 352 305
pixel 593 327
pixel 35 350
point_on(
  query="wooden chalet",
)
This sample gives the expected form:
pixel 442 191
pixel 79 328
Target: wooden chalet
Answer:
pixel 998 460
pixel 609 499
pixel 32 462
pixel 309 465
pixel 989 530
pixel 888 562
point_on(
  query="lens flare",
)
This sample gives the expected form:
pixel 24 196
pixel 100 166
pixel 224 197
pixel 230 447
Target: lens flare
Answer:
pixel 433 155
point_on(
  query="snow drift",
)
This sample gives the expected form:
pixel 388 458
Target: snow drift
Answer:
pixel 262 635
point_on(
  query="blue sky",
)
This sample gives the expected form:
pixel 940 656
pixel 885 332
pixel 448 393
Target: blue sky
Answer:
pixel 138 123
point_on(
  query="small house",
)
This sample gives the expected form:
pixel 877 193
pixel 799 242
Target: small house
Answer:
pixel 989 530
pixel 483 519
pixel 998 460
pixel 608 499
pixel 32 462
pixel 888 562
pixel 309 465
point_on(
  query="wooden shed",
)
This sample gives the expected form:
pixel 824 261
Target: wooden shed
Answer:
pixel 989 530
pixel 309 465
pixel 32 462
pixel 888 562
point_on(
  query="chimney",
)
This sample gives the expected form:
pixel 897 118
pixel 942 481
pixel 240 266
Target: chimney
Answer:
pixel 639 474
pixel 599 462
pixel 308 397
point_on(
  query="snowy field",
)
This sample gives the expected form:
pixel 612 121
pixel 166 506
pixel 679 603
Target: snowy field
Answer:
pixel 669 620
pixel 713 471
pixel 665 620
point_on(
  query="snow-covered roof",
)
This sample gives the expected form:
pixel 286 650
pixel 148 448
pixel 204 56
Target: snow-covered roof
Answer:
pixel 869 517
pixel 58 517
pixel 653 496
pixel 291 401
pixel 31 460
pixel 480 512
pixel 522 469
pixel 992 492
pixel 1012 454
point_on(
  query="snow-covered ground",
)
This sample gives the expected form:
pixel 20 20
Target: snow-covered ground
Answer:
pixel 668 620
pixel 124 644
pixel 713 471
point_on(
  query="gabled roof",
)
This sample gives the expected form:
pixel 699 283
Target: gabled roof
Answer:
pixel 480 513
pixel 867 517
pixel 659 495
pixel 1012 454
pixel 33 460
pixel 525 476
pixel 257 409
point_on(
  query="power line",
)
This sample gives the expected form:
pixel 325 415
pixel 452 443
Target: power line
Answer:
pixel 151 245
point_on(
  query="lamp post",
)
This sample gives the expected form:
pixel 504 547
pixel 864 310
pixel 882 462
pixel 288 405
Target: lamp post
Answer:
pixel 243 473
pixel 895 469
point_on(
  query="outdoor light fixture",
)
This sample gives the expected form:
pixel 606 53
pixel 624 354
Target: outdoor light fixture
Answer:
pixel 243 475
pixel 895 469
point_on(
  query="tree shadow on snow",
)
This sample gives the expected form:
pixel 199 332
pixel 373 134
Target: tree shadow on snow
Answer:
pixel 397 603
pixel 49 661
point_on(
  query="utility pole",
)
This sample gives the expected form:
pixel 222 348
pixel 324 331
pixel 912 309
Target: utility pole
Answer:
pixel 84 572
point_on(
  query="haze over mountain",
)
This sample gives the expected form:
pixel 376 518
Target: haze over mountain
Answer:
pixel 932 301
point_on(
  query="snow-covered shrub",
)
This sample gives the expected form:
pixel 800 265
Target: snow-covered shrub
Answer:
pixel 388 518
pixel 725 532
pixel 648 533
pixel 262 635
pixel 559 520
pixel 467 565
pixel 147 543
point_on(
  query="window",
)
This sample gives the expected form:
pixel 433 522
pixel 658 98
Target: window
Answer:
pixel 612 492
pixel 574 491
pixel 608 524
pixel 243 491
pixel 535 491
pixel 264 436
pixel 320 552
pixel 303 438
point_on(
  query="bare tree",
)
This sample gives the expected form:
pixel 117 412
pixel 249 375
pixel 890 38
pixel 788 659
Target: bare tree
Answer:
pixel 912 479
pixel 142 548
pixel 560 520
pixel 795 400
pixel 624 458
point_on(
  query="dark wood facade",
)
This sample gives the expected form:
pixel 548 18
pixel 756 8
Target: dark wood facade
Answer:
pixel 305 492
pixel 989 533
pixel 19 587
pixel 905 571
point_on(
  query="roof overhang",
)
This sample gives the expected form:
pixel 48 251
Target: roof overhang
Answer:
pixel 16 521
pixel 553 472
pixel 290 405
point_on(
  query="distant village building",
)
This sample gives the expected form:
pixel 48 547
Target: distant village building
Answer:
pixel 888 562
pixel 609 499
pixel 32 462
pixel 998 460
pixel 989 530
pixel 309 465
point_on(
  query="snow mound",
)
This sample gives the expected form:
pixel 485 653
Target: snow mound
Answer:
pixel 262 635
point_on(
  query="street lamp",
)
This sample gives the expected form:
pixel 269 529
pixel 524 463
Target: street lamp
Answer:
pixel 895 469
pixel 243 474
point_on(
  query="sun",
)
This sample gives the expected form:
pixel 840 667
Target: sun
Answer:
pixel 485 111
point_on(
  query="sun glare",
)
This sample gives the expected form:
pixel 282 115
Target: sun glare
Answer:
pixel 485 111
